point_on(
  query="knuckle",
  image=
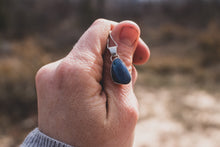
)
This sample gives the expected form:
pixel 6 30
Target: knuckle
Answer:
pixel 129 118
pixel 67 72
pixel 99 21
pixel 62 70
pixel 42 76
pixel 134 75
pixel 132 115
pixel 68 66
pixel 41 73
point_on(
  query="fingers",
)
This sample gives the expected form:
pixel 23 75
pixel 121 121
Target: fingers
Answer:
pixel 84 63
pixel 142 53
pixel 93 43
pixel 126 34
pixel 94 39
pixel 122 103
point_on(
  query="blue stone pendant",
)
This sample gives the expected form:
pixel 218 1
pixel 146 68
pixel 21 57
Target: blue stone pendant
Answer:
pixel 119 72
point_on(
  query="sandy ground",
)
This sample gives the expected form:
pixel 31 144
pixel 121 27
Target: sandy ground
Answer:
pixel 177 117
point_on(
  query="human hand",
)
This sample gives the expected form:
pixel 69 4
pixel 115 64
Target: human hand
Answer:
pixel 78 103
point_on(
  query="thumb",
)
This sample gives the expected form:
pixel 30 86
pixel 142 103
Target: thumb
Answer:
pixel 122 103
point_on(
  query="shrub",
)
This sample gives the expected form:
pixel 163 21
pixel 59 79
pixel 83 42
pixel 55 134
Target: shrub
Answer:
pixel 209 45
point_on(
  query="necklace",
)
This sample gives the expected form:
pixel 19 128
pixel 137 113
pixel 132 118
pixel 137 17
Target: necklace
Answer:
pixel 118 71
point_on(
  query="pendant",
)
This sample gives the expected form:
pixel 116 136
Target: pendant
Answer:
pixel 119 71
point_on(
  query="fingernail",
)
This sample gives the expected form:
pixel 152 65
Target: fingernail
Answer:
pixel 128 35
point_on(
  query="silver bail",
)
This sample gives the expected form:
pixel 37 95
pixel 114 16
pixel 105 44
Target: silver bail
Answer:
pixel 112 49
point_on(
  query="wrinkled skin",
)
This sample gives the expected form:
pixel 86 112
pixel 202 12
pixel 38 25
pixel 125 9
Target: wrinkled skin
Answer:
pixel 78 103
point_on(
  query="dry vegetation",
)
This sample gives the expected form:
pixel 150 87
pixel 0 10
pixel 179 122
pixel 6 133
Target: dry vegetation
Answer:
pixel 178 89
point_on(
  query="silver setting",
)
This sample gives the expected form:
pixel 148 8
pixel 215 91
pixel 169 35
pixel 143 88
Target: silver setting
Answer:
pixel 112 49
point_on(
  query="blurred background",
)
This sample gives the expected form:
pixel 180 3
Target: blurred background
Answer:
pixel 178 89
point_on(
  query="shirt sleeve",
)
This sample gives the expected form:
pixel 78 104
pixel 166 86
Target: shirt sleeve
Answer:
pixel 38 139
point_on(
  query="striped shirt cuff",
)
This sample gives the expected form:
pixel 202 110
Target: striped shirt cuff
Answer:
pixel 38 139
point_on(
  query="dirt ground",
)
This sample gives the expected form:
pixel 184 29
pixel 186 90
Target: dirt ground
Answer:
pixel 177 117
